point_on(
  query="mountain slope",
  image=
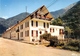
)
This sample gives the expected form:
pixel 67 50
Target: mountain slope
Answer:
pixel 2 27
pixel 2 19
pixel 72 19
pixel 58 13
pixel 61 12
pixel 13 20
pixel 4 24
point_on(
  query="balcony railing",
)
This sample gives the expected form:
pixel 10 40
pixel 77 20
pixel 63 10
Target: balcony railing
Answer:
pixel 41 15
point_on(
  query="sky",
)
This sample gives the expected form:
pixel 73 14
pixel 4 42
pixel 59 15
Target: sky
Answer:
pixel 10 8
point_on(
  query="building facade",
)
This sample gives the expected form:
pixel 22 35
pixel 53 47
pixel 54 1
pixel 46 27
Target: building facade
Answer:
pixel 33 26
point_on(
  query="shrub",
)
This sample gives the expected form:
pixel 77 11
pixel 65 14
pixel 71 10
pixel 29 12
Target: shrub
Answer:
pixel 71 48
pixel 46 36
pixel 60 44
pixel 73 42
pixel 52 39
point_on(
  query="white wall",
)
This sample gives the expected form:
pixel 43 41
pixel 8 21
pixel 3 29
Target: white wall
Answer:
pixel 56 31
pixel 39 28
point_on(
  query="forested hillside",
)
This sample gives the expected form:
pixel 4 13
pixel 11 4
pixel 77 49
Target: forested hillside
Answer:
pixel 5 23
pixel 72 19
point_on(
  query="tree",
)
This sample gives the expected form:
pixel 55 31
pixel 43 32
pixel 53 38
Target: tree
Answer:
pixel 68 31
pixel 72 19
pixel 57 21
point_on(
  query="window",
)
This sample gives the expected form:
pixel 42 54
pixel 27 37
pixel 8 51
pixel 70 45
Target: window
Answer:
pixel 21 34
pixel 61 31
pixel 40 32
pixel 32 32
pixel 50 29
pixel 36 33
pixel 21 26
pixel 44 24
pixel 26 33
pixel 47 25
pixel 36 24
pixel 32 23
pixel 26 24
pixel 53 29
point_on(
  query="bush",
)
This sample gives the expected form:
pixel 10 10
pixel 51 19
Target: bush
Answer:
pixel 73 42
pixel 46 36
pixel 60 44
pixel 52 39
pixel 71 48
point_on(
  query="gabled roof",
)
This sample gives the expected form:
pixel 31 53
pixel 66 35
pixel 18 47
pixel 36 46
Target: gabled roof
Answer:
pixel 42 9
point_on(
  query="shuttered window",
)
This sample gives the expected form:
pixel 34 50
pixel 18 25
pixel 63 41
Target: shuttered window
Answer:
pixel 36 23
pixel 26 24
pixel 32 23
pixel 21 34
pixel 21 27
pixel 44 24
pixel 26 33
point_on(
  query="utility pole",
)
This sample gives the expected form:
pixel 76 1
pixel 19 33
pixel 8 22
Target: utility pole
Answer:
pixel 26 9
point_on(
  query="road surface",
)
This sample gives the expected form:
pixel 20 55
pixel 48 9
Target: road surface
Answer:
pixel 14 48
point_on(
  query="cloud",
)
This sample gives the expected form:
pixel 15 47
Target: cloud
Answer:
pixel 5 17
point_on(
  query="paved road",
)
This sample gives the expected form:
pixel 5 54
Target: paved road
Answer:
pixel 14 48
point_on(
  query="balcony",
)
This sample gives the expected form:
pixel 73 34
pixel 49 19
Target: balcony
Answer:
pixel 41 16
pixel 42 20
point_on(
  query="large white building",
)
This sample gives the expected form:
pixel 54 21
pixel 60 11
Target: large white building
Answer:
pixel 33 26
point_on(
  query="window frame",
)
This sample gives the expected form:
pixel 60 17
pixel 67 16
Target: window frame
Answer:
pixel 21 34
pixel 32 33
pixel 32 23
pixel 36 23
pixel 44 24
pixel 26 33
pixel 36 33
pixel 21 27
pixel 26 24
pixel 47 25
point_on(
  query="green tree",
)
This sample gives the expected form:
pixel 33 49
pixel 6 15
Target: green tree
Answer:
pixel 68 30
pixel 72 19
pixel 57 21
